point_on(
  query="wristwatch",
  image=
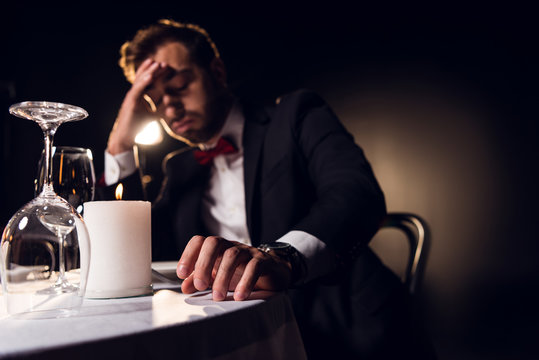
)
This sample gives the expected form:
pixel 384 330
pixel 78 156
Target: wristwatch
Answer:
pixel 288 253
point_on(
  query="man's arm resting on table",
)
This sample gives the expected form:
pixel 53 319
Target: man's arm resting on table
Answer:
pixel 226 265
pixel 230 266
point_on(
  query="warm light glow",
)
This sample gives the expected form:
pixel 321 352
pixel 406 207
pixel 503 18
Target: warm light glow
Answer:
pixel 150 135
pixel 119 191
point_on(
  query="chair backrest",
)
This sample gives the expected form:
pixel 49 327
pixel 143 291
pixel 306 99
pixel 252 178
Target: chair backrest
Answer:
pixel 418 236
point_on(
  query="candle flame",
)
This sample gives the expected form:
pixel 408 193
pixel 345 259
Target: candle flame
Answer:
pixel 119 191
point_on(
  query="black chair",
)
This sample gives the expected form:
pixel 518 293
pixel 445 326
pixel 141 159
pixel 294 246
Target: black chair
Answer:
pixel 377 318
pixel 418 236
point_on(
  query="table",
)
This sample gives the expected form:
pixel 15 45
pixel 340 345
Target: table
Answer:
pixel 167 325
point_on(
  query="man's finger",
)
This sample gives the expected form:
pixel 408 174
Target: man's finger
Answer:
pixel 187 262
pixel 143 66
pixel 216 266
pixel 187 285
pixel 211 249
pixel 248 280
pixel 144 78
pixel 236 277
pixel 230 260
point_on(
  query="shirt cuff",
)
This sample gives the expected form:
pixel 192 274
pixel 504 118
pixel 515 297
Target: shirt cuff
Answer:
pixel 119 166
pixel 318 258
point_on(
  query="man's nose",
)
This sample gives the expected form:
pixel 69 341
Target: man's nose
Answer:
pixel 173 106
pixel 169 100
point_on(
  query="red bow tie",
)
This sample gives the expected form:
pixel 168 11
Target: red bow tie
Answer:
pixel 223 146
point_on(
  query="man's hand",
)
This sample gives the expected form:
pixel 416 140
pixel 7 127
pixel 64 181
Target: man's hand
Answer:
pixel 134 110
pixel 227 265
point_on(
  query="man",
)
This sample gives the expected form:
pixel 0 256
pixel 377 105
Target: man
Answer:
pixel 263 198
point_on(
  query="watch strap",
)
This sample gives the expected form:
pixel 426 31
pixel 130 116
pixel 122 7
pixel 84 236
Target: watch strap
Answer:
pixel 293 256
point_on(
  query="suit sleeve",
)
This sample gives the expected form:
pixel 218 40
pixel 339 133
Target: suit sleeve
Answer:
pixel 349 205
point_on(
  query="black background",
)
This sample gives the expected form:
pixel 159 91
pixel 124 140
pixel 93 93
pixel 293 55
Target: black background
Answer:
pixel 483 54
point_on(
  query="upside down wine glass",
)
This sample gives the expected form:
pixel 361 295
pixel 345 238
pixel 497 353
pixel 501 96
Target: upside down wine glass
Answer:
pixel 45 249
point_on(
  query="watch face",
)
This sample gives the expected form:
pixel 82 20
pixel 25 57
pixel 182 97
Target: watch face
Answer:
pixel 278 245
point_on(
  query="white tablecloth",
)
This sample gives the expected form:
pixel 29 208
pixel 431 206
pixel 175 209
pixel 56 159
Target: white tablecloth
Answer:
pixel 168 325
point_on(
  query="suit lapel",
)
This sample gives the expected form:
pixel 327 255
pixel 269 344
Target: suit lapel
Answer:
pixel 256 120
pixel 185 173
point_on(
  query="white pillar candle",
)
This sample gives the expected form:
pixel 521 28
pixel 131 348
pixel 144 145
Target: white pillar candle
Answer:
pixel 121 253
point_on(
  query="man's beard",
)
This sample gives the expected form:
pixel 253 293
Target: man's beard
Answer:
pixel 216 113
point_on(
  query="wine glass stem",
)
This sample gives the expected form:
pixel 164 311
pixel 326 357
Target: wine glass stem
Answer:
pixel 61 260
pixel 47 182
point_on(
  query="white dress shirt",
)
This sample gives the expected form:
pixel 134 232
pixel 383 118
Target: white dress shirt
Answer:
pixel 223 203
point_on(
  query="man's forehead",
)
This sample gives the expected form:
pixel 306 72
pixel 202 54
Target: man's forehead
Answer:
pixel 175 54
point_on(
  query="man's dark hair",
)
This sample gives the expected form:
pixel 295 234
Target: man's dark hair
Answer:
pixel 202 49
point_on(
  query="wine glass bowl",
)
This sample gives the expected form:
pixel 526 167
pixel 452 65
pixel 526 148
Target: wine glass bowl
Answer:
pixel 45 249
pixel 47 113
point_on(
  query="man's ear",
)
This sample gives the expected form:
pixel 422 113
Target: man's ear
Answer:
pixel 218 70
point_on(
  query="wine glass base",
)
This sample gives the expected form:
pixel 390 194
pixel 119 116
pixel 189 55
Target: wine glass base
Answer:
pixel 61 288
pixel 46 314
pixel 42 303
